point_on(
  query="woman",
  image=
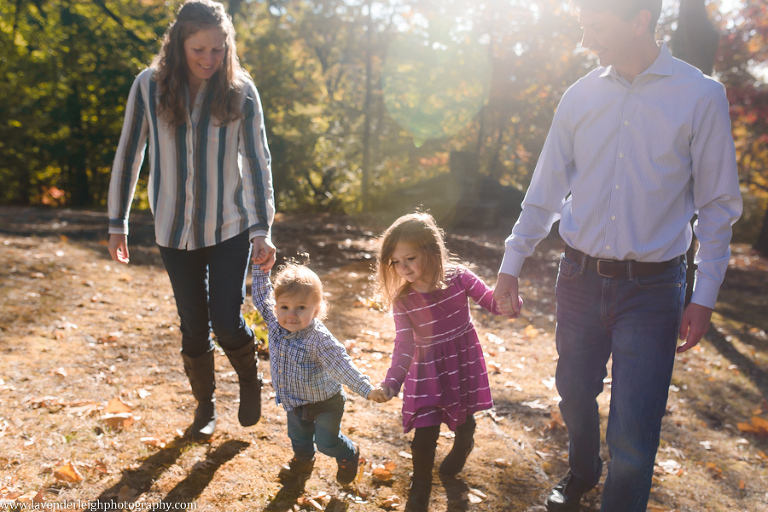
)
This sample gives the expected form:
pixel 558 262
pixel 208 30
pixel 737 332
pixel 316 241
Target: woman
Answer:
pixel 210 190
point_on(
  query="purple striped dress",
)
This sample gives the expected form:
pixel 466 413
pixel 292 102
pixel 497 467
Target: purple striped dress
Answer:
pixel 437 353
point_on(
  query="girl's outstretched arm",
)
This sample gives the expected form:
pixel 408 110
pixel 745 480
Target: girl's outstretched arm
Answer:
pixel 402 356
pixel 483 294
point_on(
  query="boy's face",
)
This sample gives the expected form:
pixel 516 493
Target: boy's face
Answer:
pixel 296 311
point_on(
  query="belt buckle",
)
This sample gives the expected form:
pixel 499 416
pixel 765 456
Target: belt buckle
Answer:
pixel 600 272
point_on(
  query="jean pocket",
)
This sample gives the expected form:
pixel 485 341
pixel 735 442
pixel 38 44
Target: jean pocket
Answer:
pixel 568 268
pixel 673 277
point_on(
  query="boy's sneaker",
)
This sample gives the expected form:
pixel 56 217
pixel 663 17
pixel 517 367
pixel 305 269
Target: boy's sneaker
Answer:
pixel 348 468
pixel 296 471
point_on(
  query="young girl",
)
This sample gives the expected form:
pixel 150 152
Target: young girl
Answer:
pixel 198 113
pixel 437 353
pixel 308 368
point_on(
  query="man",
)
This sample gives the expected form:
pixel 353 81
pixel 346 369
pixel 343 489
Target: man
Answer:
pixel 636 148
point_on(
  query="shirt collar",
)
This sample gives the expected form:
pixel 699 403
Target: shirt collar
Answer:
pixel 663 65
pixel 303 333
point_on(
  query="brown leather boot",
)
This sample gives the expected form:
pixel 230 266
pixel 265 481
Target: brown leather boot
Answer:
pixel 246 363
pixel 462 446
pixel 202 380
pixel 421 483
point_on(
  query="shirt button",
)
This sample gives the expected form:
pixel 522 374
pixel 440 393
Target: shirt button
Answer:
pixel 613 217
pixel 626 123
pixel 617 187
pixel 621 155
pixel 608 247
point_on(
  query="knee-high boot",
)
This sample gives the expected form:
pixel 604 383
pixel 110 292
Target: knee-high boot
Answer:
pixel 421 484
pixel 462 445
pixel 246 363
pixel 200 371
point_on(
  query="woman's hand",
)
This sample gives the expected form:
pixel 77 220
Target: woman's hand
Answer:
pixel 263 253
pixel 118 248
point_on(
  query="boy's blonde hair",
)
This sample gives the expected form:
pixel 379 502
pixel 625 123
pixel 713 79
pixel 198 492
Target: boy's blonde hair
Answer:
pixel 295 279
pixel 421 230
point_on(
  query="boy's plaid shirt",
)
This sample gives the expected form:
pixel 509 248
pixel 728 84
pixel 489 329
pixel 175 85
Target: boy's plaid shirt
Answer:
pixel 309 365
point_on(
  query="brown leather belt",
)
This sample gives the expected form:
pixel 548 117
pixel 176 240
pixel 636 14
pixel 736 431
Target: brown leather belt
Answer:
pixel 620 268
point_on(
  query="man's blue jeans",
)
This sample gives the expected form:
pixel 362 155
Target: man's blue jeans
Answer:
pixel 319 423
pixel 209 286
pixel 635 321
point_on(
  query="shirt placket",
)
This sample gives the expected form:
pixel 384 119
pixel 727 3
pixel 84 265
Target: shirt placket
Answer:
pixel 619 181
pixel 189 206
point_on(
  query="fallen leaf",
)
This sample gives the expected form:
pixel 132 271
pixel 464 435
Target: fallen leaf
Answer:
pixel 68 473
pixel 405 455
pixel 117 406
pixel 391 503
pixel 501 463
pixel 535 404
pixel 478 492
pixel 381 473
pixel 670 466
pixel 30 498
pixel 530 331
pixel 118 421
pixel 742 485
pixel 153 441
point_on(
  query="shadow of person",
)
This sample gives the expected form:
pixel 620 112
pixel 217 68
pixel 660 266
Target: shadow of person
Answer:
pixel 135 482
pixel 202 473
pixel 456 491
pixel 286 498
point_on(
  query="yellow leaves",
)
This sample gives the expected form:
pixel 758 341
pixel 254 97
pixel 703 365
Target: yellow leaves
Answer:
pixel 530 331
pixel 68 473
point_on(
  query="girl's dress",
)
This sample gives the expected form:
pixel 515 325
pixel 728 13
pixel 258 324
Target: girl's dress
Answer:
pixel 438 355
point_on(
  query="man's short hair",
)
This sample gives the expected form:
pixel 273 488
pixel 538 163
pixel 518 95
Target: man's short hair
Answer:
pixel 624 8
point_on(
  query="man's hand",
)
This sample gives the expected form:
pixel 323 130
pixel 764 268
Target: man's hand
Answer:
pixel 263 253
pixel 507 296
pixel 694 325
pixel 118 248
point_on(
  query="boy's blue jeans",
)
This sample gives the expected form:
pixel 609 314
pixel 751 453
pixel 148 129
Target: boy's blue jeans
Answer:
pixel 319 423
pixel 209 286
pixel 634 321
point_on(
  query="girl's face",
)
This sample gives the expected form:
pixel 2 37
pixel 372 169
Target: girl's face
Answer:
pixel 204 51
pixel 409 263
pixel 296 311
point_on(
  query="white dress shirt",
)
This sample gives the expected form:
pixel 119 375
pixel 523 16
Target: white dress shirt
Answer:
pixel 626 166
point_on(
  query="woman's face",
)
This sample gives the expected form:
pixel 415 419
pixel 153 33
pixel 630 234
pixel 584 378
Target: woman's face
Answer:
pixel 204 51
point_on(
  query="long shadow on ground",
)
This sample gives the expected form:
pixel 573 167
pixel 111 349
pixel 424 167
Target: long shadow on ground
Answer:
pixel 135 482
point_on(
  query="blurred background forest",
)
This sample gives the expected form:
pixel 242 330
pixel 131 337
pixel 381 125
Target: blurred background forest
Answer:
pixel 368 103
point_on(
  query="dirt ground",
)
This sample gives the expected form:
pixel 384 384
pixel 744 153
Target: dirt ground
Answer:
pixel 93 395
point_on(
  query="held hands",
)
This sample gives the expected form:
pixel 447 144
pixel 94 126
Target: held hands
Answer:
pixel 504 292
pixel 263 253
pixel 381 394
pixel 118 248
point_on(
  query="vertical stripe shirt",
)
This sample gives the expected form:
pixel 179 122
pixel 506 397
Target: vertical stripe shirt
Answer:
pixel 626 166
pixel 309 365
pixel 207 182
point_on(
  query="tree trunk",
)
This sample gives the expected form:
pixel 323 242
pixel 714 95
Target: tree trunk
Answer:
pixel 366 170
pixel 695 41
pixel 761 245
